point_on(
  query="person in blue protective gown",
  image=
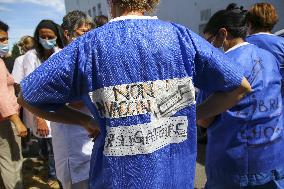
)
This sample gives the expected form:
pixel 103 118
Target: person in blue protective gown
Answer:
pixel 137 76
pixel 262 17
pixel 245 143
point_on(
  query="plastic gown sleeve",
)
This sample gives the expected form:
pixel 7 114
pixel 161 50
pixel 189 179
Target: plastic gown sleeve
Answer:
pixel 55 82
pixel 214 71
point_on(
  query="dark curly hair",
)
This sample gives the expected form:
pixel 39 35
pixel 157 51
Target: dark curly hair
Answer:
pixel 136 5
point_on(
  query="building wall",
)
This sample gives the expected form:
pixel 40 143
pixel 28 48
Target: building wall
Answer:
pixel 191 13
pixel 90 7
pixel 195 13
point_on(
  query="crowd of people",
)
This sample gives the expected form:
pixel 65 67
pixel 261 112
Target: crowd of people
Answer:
pixel 114 104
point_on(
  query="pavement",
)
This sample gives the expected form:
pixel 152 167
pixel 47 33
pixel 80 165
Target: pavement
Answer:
pixel 35 170
pixel 200 176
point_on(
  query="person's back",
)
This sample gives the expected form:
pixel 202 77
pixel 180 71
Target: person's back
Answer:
pixel 255 122
pixel 139 86
pixel 137 75
pixel 136 95
pixel 261 19
pixel 244 143
pixel 271 43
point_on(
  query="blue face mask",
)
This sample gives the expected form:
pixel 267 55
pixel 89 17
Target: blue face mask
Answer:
pixel 4 49
pixel 48 44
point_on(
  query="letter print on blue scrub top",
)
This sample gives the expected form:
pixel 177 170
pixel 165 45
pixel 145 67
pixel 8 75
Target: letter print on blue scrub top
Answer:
pixel 136 76
pixel 271 43
pixel 245 143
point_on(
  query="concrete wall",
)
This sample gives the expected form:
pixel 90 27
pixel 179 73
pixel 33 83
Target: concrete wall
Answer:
pixel 191 13
pixel 195 13
pixel 91 7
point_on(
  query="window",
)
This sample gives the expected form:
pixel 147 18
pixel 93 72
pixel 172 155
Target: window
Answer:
pixel 100 9
pixel 94 11
pixel 205 15
pixel 201 28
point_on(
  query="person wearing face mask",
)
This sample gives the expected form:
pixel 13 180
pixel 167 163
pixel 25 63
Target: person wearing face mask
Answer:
pixel 137 76
pixel 47 40
pixel 72 146
pixel 245 143
pixel 11 126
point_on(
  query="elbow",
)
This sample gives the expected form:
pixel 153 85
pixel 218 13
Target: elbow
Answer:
pixel 201 123
pixel 205 123
pixel 244 89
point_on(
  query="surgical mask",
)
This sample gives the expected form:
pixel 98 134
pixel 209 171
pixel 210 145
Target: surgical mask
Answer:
pixel 48 44
pixel 222 49
pixel 4 49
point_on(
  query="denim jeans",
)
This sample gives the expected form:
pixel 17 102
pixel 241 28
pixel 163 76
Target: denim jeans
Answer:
pixel 46 150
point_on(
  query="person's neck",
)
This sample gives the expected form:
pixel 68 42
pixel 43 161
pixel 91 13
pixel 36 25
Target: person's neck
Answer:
pixel 47 53
pixel 132 13
pixel 260 31
pixel 233 42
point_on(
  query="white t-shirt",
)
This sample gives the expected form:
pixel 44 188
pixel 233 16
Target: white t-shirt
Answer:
pixel 18 69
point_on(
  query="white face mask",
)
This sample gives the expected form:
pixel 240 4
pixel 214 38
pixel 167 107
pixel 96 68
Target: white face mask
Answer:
pixel 222 48
pixel 48 44
pixel 4 49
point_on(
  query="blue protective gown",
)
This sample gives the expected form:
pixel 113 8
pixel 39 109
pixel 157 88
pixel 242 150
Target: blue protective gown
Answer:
pixel 271 43
pixel 245 143
pixel 137 77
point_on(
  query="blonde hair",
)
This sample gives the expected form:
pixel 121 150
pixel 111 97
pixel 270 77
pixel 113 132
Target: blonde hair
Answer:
pixel 137 5
pixel 26 43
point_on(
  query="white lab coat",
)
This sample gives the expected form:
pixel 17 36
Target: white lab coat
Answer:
pixel 72 150
pixel 30 63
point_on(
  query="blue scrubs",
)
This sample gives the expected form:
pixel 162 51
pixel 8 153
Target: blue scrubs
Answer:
pixel 137 77
pixel 273 44
pixel 245 143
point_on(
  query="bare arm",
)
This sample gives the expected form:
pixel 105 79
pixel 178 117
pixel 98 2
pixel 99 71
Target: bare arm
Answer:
pixel 65 115
pixel 205 123
pixel 20 127
pixel 220 102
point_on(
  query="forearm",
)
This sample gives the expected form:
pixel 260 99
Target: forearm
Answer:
pixel 14 118
pixel 64 114
pixel 221 101
pixel 205 123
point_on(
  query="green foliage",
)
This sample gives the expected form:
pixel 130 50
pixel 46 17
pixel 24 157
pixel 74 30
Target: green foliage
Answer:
pixel 15 51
